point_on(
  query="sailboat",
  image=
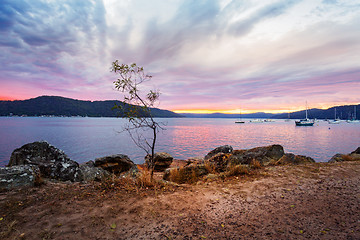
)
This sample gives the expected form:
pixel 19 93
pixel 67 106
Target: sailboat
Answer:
pixel 335 121
pixel 353 120
pixel 288 119
pixel 306 121
pixel 240 120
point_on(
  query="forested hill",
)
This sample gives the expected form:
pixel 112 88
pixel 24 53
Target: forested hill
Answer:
pixel 342 112
pixel 60 106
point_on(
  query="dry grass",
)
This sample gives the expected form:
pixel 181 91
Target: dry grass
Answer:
pixel 38 181
pixel 183 175
pixel 348 158
pixel 141 182
pixel 235 170
pixel 255 164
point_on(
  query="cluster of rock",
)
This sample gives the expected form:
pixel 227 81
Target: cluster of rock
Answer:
pixel 38 160
pixel 223 158
pixel 353 156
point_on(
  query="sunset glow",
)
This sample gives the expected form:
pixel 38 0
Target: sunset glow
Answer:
pixel 204 56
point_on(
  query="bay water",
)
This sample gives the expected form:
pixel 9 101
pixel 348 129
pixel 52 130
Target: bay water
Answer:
pixel 84 139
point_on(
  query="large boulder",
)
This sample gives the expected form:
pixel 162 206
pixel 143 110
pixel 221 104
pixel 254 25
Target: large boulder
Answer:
pixel 263 155
pixel 91 173
pixel 354 156
pixel 18 176
pixel 290 158
pixel 337 158
pixel 218 162
pixel 52 162
pixel 221 149
pixel 162 160
pixel 115 163
pixel 357 151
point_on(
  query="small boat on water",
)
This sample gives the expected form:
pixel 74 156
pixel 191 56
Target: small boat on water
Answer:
pixel 288 119
pixel 335 120
pixel 306 121
pixel 353 120
pixel 240 119
pixel 256 121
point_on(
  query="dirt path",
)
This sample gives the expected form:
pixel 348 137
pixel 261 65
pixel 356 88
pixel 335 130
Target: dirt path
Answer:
pixel 314 201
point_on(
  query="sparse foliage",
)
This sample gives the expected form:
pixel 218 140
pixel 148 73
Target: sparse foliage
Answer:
pixel 137 107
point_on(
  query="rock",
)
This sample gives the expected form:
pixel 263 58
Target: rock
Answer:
pixel 218 162
pixel 345 157
pixel 337 158
pixel 18 176
pixel 133 172
pixel 221 149
pixel 162 161
pixel 115 163
pixel 355 156
pixel 52 162
pixel 190 173
pixel 290 158
pixel 264 155
pixel 357 151
pixel 91 173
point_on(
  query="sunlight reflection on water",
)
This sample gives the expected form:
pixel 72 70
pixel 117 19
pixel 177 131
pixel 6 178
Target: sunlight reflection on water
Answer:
pixel 85 139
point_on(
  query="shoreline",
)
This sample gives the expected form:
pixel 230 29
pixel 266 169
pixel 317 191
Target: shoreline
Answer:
pixel 309 201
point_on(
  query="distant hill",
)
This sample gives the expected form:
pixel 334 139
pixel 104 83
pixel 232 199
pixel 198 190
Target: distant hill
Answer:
pixel 60 106
pixel 224 115
pixel 342 112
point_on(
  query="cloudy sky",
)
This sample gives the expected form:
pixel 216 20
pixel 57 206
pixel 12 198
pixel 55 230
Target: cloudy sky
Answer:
pixel 214 55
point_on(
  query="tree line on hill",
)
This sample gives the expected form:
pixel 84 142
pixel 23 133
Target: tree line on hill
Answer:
pixel 342 112
pixel 60 106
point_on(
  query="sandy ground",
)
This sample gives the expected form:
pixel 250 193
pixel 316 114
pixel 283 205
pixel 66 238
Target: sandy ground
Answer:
pixel 313 201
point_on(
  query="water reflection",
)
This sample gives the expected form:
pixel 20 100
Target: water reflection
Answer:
pixel 85 139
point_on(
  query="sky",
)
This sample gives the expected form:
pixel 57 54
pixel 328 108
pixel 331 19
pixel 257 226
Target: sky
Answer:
pixel 204 56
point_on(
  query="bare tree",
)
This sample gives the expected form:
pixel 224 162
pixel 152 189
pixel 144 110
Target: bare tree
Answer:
pixel 137 108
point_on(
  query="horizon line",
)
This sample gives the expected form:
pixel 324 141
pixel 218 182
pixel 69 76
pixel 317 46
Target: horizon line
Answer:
pixel 203 111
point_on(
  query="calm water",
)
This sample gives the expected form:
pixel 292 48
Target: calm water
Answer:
pixel 85 139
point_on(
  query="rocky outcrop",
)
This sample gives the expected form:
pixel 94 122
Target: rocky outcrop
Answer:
pixel 52 162
pixel 337 158
pixel 357 151
pixel 353 156
pixel 115 163
pixel 264 155
pixel 18 176
pixel 290 158
pixel 218 162
pixel 222 149
pixel 91 173
pixel 162 161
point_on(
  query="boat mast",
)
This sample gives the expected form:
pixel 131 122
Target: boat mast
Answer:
pixel 355 112
pixel 306 117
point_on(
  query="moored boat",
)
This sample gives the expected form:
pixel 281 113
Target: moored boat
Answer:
pixel 256 121
pixel 306 121
pixel 335 120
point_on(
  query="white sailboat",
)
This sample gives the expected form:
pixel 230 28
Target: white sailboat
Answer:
pixel 257 120
pixel 335 121
pixel 306 121
pixel 240 119
pixel 353 120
